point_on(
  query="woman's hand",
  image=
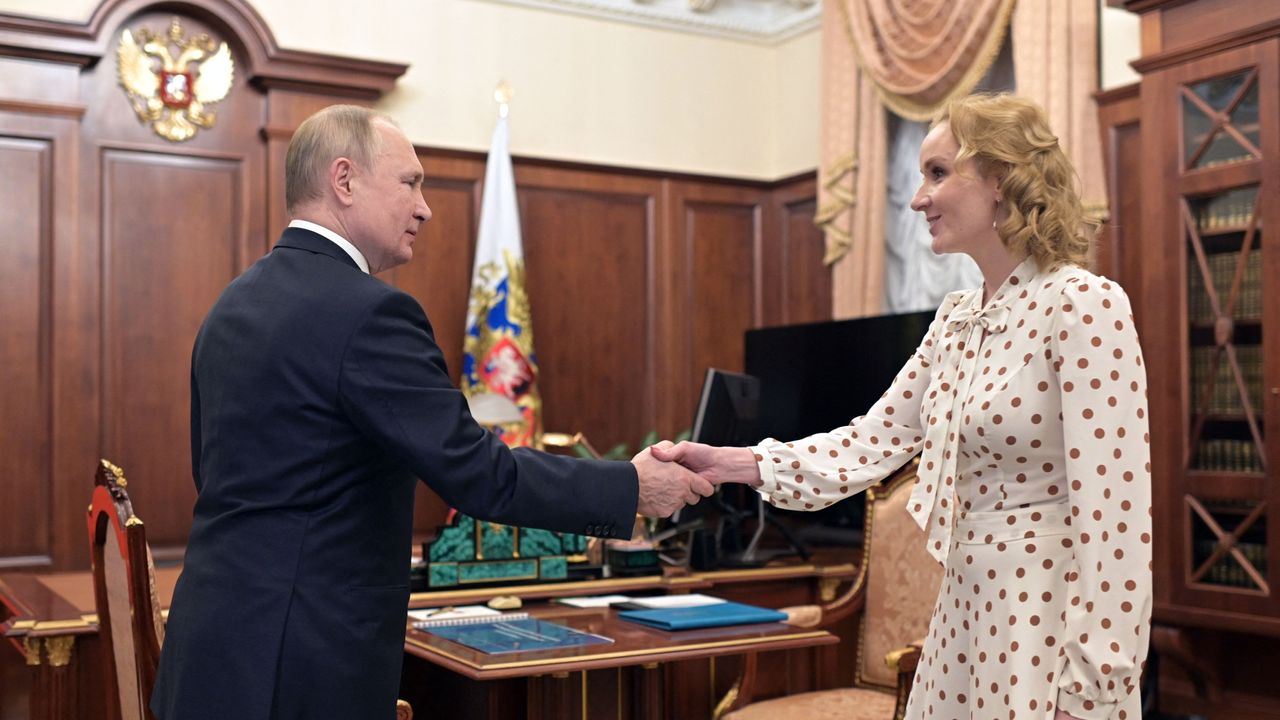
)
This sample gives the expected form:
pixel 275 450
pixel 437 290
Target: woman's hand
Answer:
pixel 1060 715
pixel 717 464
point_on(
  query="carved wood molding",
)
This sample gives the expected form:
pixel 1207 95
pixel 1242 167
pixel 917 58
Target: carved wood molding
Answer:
pixel 267 66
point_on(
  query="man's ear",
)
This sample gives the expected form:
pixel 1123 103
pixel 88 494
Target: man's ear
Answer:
pixel 341 176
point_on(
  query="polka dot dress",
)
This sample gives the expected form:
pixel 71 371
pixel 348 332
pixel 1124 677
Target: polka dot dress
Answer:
pixel 1034 488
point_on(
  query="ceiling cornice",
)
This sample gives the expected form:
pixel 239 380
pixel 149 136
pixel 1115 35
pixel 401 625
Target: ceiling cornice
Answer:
pixel 764 22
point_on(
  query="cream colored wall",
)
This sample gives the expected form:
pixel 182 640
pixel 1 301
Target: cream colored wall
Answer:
pixel 1121 42
pixel 587 90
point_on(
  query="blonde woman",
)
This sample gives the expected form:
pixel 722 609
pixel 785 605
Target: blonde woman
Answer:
pixel 1027 402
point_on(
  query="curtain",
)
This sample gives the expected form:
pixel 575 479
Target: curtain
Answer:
pixel 909 56
pixel 1055 45
pixel 915 278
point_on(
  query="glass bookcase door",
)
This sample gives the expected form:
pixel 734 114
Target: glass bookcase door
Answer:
pixel 1220 120
pixel 1224 313
pixel 1229 544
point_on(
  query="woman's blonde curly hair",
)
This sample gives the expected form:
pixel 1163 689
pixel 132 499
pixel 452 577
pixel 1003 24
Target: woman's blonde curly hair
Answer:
pixel 1010 136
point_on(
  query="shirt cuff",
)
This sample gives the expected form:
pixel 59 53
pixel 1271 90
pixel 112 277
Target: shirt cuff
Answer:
pixel 1086 709
pixel 765 464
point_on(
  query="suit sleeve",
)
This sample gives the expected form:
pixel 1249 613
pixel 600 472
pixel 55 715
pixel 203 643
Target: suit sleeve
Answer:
pixel 196 436
pixel 395 386
pixel 1104 419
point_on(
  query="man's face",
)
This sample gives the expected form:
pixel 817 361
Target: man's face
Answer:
pixel 388 207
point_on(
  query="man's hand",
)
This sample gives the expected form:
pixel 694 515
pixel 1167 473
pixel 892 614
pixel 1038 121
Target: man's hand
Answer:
pixel 719 465
pixel 666 487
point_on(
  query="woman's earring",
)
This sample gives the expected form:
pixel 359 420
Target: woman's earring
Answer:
pixel 995 221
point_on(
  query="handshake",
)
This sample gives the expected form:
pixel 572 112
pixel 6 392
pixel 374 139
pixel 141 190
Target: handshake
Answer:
pixel 673 476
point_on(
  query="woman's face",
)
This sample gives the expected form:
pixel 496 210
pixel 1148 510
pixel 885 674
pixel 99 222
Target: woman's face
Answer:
pixel 959 204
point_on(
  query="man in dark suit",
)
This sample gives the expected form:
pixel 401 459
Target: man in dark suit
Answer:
pixel 318 394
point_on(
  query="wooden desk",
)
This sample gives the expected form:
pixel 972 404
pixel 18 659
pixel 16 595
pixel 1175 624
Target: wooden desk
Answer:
pixel 51 670
pixel 628 678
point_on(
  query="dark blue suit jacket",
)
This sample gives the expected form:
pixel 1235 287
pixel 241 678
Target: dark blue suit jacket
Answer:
pixel 318 394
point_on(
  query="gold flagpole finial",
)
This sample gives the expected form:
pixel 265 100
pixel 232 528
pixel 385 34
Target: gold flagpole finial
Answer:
pixel 502 95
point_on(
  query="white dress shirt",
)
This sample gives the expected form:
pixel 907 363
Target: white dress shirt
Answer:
pixel 337 240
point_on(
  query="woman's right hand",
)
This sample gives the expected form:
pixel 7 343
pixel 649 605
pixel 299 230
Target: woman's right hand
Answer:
pixel 716 464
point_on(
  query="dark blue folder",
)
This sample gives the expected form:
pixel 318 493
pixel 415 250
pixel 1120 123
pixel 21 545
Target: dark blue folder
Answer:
pixel 703 616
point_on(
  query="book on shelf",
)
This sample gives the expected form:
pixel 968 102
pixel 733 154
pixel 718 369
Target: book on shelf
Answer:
pixel 510 633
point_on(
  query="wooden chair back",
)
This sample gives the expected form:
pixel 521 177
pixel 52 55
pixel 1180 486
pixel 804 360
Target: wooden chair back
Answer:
pixel 129 621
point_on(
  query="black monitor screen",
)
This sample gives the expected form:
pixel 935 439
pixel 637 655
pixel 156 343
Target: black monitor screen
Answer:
pixel 728 409
pixel 817 377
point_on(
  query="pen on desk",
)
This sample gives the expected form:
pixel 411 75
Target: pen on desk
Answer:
pixel 436 611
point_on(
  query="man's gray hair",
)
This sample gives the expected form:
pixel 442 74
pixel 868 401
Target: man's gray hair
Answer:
pixel 334 132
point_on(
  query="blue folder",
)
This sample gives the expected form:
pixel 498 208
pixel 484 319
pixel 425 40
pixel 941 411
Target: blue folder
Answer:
pixel 703 616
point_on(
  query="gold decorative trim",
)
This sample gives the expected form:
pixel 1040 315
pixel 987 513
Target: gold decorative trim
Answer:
pixel 46 625
pixel 827 588
pixel 893 657
pixel 521 590
pixel 116 471
pixel 133 521
pixel 59 649
pixel 31 649
pixel 174 98
pixel 728 700
pixel 763 646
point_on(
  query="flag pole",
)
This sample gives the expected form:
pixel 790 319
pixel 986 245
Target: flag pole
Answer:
pixel 502 95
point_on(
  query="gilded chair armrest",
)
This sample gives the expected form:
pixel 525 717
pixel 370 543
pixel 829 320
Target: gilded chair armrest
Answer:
pixel 904 659
pixel 804 616
pixel 904 662
pixel 403 710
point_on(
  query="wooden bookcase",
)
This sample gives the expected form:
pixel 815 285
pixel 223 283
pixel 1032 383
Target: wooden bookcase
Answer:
pixel 1209 187
pixel 1192 155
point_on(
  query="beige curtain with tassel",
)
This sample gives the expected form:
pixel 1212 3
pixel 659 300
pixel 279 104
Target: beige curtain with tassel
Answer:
pixel 1055 45
pixel 910 56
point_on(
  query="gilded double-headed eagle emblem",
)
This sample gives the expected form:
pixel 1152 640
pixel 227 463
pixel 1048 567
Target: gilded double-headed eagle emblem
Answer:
pixel 172 80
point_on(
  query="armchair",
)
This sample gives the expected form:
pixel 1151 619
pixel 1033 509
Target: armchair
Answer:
pixel 895 592
pixel 124 590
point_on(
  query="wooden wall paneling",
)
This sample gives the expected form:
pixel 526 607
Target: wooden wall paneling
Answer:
pixel 439 277
pixel 171 224
pixel 162 271
pixel 1119 247
pixel 1161 333
pixel 41 404
pixel 589 258
pixel 803 283
pixel 26 248
pixel 145 233
pixel 718 231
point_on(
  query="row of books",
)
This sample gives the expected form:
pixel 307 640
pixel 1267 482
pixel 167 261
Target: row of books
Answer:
pixel 1227 456
pixel 1215 162
pixel 1222 268
pixel 1227 570
pixel 1224 398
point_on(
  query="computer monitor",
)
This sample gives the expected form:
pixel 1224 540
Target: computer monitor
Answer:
pixel 728 409
pixel 818 376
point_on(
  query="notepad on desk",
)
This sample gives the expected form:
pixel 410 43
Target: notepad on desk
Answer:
pixel 461 615
pixel 508 634
pixel 703 616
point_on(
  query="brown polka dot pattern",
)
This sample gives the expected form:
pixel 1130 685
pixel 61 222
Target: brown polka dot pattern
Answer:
pixel 1034 488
